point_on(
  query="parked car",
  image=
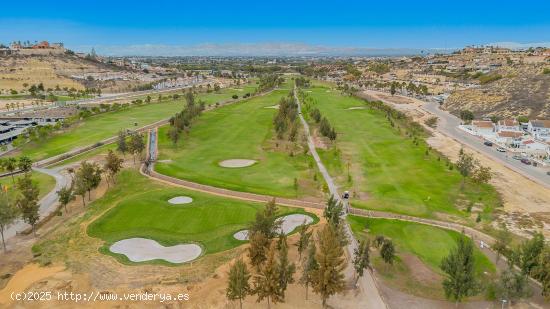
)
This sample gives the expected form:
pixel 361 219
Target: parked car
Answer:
pixel 500 149
pixel 548 173
pixel 516 157
pixel 525 161
pixel 487 143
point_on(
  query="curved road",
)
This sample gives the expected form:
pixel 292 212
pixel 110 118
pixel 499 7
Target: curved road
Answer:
pixel 48 203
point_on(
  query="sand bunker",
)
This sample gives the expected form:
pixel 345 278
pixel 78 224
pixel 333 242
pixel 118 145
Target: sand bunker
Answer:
pixel 142 249
pixel 180 200
pixel 165 161
pixel 234 163
pixel 273 106
pixel 357 107
pixel 290 223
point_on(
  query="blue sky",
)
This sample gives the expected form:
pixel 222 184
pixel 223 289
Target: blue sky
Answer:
pixel 123 25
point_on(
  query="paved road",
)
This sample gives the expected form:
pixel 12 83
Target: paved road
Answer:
pixel 367 284
pixel 448 125
pixel 47 204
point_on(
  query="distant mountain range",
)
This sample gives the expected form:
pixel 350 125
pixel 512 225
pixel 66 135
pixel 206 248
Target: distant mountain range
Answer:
pixel 255 49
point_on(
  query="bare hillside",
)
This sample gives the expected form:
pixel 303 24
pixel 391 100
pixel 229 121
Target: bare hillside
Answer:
pixel 18 72
pixel 524 91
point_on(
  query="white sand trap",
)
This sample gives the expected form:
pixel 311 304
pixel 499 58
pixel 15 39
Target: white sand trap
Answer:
pixel 273 106
pixel 290 223
pixel 143 249
pixel 165 161
pixel 357 107
pixel 180 200
pixel 235 163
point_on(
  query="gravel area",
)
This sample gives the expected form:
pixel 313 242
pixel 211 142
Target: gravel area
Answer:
pixel 290 223
pixel 235 163
pixel 142 249
pixel 180 200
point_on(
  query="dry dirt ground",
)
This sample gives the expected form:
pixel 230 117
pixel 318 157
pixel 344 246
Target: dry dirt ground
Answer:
pixel 525 201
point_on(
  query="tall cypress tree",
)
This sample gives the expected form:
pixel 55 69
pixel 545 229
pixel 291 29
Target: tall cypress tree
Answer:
pixel 328 279
pixel 459 267
pixel 238 286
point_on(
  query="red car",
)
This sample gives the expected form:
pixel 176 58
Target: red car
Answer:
pixel 526 161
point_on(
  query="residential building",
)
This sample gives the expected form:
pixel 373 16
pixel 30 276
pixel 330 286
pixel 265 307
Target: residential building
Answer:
pixel 508 125
pixel 483 127
pixel 539 129
pixel 509 138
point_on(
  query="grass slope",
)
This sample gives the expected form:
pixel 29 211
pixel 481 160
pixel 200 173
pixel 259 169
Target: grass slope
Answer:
pixel 388 170
pixel 105 125
pixel 243 130
pixel 431 244
pixel 141 210
pixel 45 183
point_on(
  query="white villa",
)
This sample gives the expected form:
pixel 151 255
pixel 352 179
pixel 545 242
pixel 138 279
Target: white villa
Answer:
pixel 483 127
pixel 539 129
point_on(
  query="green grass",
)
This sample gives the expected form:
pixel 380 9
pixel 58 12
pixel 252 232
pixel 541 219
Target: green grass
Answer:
pixel 430 244
pixel 108 124
pixel 45 183
pixel 390 172
pixel 87 155
pixel 242 130
pixel 141 210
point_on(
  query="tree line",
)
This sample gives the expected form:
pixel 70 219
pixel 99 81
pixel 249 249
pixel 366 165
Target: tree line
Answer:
pixel 269 81
pixel 286 119
pixel 321 258
pixel 181 122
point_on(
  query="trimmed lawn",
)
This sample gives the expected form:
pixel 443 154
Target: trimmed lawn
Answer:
pixel 388 171
pixel 419 251
pixel 431 244
pixel 45 183
pixel 108 124
pixel 142 210
pixel 242 130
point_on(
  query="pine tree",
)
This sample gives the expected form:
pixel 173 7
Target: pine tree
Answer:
pixel 285 269
pixel 113 164
pixel 361 258
pixel 8 214
pixel 459 267
pixel 238 286
pixel 309 267
pixel 27 201
pixel 266 282
pixel 257 250
pixel 122 147
pixel 328 279
pixel 387 251
pixel 303 241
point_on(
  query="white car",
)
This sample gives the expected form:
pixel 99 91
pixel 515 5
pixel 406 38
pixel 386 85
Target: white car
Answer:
pixel 500 149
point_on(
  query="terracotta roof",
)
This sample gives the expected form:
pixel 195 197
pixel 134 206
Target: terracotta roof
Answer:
pixel 528 142
pixel 508 122
pixel 510 134
pixel 483 124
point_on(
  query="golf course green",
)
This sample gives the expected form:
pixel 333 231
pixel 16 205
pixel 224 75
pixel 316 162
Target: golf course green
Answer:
pixel 141 209
pixel 242 130
pixel 388 171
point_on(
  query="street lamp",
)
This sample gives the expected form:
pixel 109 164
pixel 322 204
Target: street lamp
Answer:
pixel 504 301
